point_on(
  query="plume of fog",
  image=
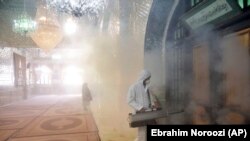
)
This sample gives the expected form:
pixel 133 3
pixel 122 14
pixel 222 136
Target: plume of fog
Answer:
pixel 199 100
pixel 117 68
pixel 109 70
pixel 227 57
pixel 153 62
pixel 236 68
pixel 232 62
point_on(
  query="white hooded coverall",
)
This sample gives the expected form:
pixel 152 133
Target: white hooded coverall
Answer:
pixel 138 98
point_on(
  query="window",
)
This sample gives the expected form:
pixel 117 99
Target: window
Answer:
pixel 240 2
pixel 6 76
pixel 6 67
pixel 192 3
pixel 243 3
pixel 195 2
pixel 179 32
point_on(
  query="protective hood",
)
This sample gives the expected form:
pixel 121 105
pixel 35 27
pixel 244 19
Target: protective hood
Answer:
pixel 144 75
pixel 137 95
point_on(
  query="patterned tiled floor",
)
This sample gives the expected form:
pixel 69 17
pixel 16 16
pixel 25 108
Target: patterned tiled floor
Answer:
pixel 5 134
pixel 14 122
pixel 47 118
pixel 66 137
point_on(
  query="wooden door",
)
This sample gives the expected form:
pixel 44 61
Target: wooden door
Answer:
pixel 201 74
pixel 236 68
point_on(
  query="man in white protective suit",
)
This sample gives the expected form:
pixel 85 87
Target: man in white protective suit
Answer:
pixel 141 100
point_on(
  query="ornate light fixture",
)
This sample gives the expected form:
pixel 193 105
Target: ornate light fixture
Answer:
pixel 48 32
pixel 24 23
pixel 78 8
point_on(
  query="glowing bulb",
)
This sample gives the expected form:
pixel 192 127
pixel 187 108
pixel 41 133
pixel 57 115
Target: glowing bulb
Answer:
pixel 42 18
pixel 56 57
pixel 70 27
pixel 73 2
pixel 43 69
pixel 72 76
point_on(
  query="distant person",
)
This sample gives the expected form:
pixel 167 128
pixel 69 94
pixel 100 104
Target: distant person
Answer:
pixel 140 99
pixel 86 96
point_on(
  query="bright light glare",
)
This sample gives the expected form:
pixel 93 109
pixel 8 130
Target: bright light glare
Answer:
pixel 71 54
pixel 42 18
pixel 74 2
pixel 43 69
pixel 44 75
pixel 56 57
pixel 72 76
pixel 70 26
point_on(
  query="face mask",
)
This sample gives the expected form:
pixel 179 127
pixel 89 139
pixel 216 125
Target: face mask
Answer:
pixel 147 82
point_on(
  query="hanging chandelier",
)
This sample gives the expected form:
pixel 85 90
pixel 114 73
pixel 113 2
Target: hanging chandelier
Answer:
pixel 78 8
pixel 48 33
pixel 23 24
